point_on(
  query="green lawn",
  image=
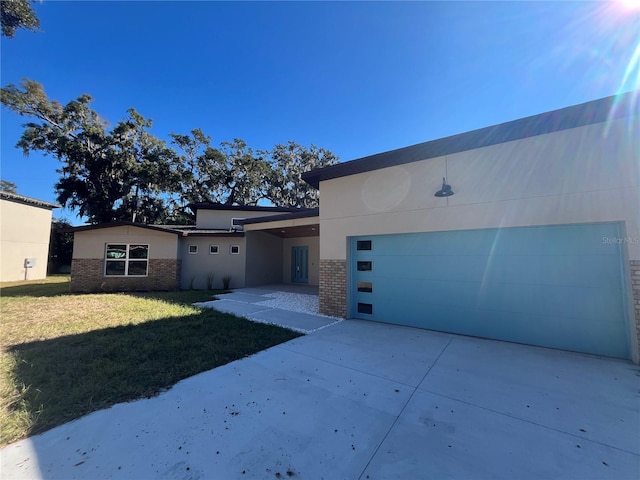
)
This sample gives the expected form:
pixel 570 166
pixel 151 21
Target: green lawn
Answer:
pixel 65 355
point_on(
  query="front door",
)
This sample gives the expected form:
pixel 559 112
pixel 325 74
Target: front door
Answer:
pixel 299 264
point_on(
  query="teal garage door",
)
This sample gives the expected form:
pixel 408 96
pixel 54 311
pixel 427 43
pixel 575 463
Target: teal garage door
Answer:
pixel 553 286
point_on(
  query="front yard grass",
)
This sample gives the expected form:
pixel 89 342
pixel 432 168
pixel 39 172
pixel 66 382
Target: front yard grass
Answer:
pixel 65 355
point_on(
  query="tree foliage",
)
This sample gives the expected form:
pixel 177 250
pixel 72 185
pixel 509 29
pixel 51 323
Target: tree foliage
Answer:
pixel 289 162
pixel 105 175
pixel 17 14
pixel 60 247
pixel 126 173
pixel 7 186
pixel 230 174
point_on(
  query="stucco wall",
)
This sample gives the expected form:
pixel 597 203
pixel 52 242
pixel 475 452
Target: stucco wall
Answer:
pixel 196 268
pixel 586 174
pixel 264 259
pixel 24 233
pixel 91 243
pixel 581 175
pixel 87 267
pixel 314 258
pixel 221 219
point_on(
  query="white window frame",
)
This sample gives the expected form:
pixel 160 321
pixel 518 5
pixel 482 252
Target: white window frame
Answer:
pixel 127 258
pixel 231 247
pixel 189 249
pixel 217 249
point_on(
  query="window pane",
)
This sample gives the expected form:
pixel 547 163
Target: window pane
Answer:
pixel 363 245
pixel 116 251
pixel 365 308
pixel 114 267
pixel 193 248
pixel 213 249
pixel 235 249
pixel 137 267
pixel 364 266
pixel 138 251
pixel 366 287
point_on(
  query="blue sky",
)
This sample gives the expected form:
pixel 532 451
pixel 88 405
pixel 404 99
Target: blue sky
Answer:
pixel 355 78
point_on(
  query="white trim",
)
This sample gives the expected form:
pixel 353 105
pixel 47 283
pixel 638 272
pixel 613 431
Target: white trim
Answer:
pixel 126 260
pixel 189 249
pixel 217 248
pixel 231 247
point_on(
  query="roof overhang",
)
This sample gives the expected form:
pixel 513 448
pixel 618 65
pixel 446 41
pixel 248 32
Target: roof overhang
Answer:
pixel 240 208
pixel 292 226
pixel 98 226
pixel 597 111
pixel 33 202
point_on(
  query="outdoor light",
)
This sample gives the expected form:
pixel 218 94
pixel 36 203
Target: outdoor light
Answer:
pixel 445 191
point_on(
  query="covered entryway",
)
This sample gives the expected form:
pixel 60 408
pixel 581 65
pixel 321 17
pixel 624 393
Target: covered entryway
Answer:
pixel 299 264
pixel 283 248
pixel 554 286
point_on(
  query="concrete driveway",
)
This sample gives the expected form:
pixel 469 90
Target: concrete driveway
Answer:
pixel 361 400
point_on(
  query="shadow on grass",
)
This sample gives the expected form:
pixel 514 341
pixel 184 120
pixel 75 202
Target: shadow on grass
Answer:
pixel 55 289
pixel 36 289
pixel 70 376
pixel 182 297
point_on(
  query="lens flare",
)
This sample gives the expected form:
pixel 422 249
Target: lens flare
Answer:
pixel 630 4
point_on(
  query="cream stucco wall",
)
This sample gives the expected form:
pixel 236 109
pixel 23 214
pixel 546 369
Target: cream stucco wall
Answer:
pixel 221 219
pixel 581 175
pixel 24 233
pixel 314 257
pixel 196 268
pixel 292 222
pixel 91 243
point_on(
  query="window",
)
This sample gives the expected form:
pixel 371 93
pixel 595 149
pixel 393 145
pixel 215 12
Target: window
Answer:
pixel 365 266
pixel 366 287
pixel 234 249
pixel 365 308
pixel 193 249
pixel 363 245
pixel 214 249
pixel 126 260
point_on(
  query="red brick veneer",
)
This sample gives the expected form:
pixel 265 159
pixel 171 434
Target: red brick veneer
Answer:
pixel 333 288
pixel 87 275
pixel 635 286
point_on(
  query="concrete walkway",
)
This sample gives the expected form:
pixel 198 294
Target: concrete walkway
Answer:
pixel 289 306
pixel 362 400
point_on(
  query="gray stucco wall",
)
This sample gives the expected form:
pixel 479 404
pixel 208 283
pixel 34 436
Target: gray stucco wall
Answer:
pixel 264 259
pixel 196 268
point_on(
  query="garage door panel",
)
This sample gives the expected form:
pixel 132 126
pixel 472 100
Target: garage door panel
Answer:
pixel 587 271
pixel 555 286
pixel 595 336
pixel 586 239
pixel 575 302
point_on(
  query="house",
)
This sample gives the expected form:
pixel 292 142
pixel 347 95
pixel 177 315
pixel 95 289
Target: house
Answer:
pixel 527 231
pixel 121 256
pixel 25 230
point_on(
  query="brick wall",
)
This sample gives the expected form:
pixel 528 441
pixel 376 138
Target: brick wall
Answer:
pixel 333 288
pixel 87 276
pixel 635 285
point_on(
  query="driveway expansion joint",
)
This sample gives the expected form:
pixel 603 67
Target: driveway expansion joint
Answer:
pixel 531 422
pixel 415 389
